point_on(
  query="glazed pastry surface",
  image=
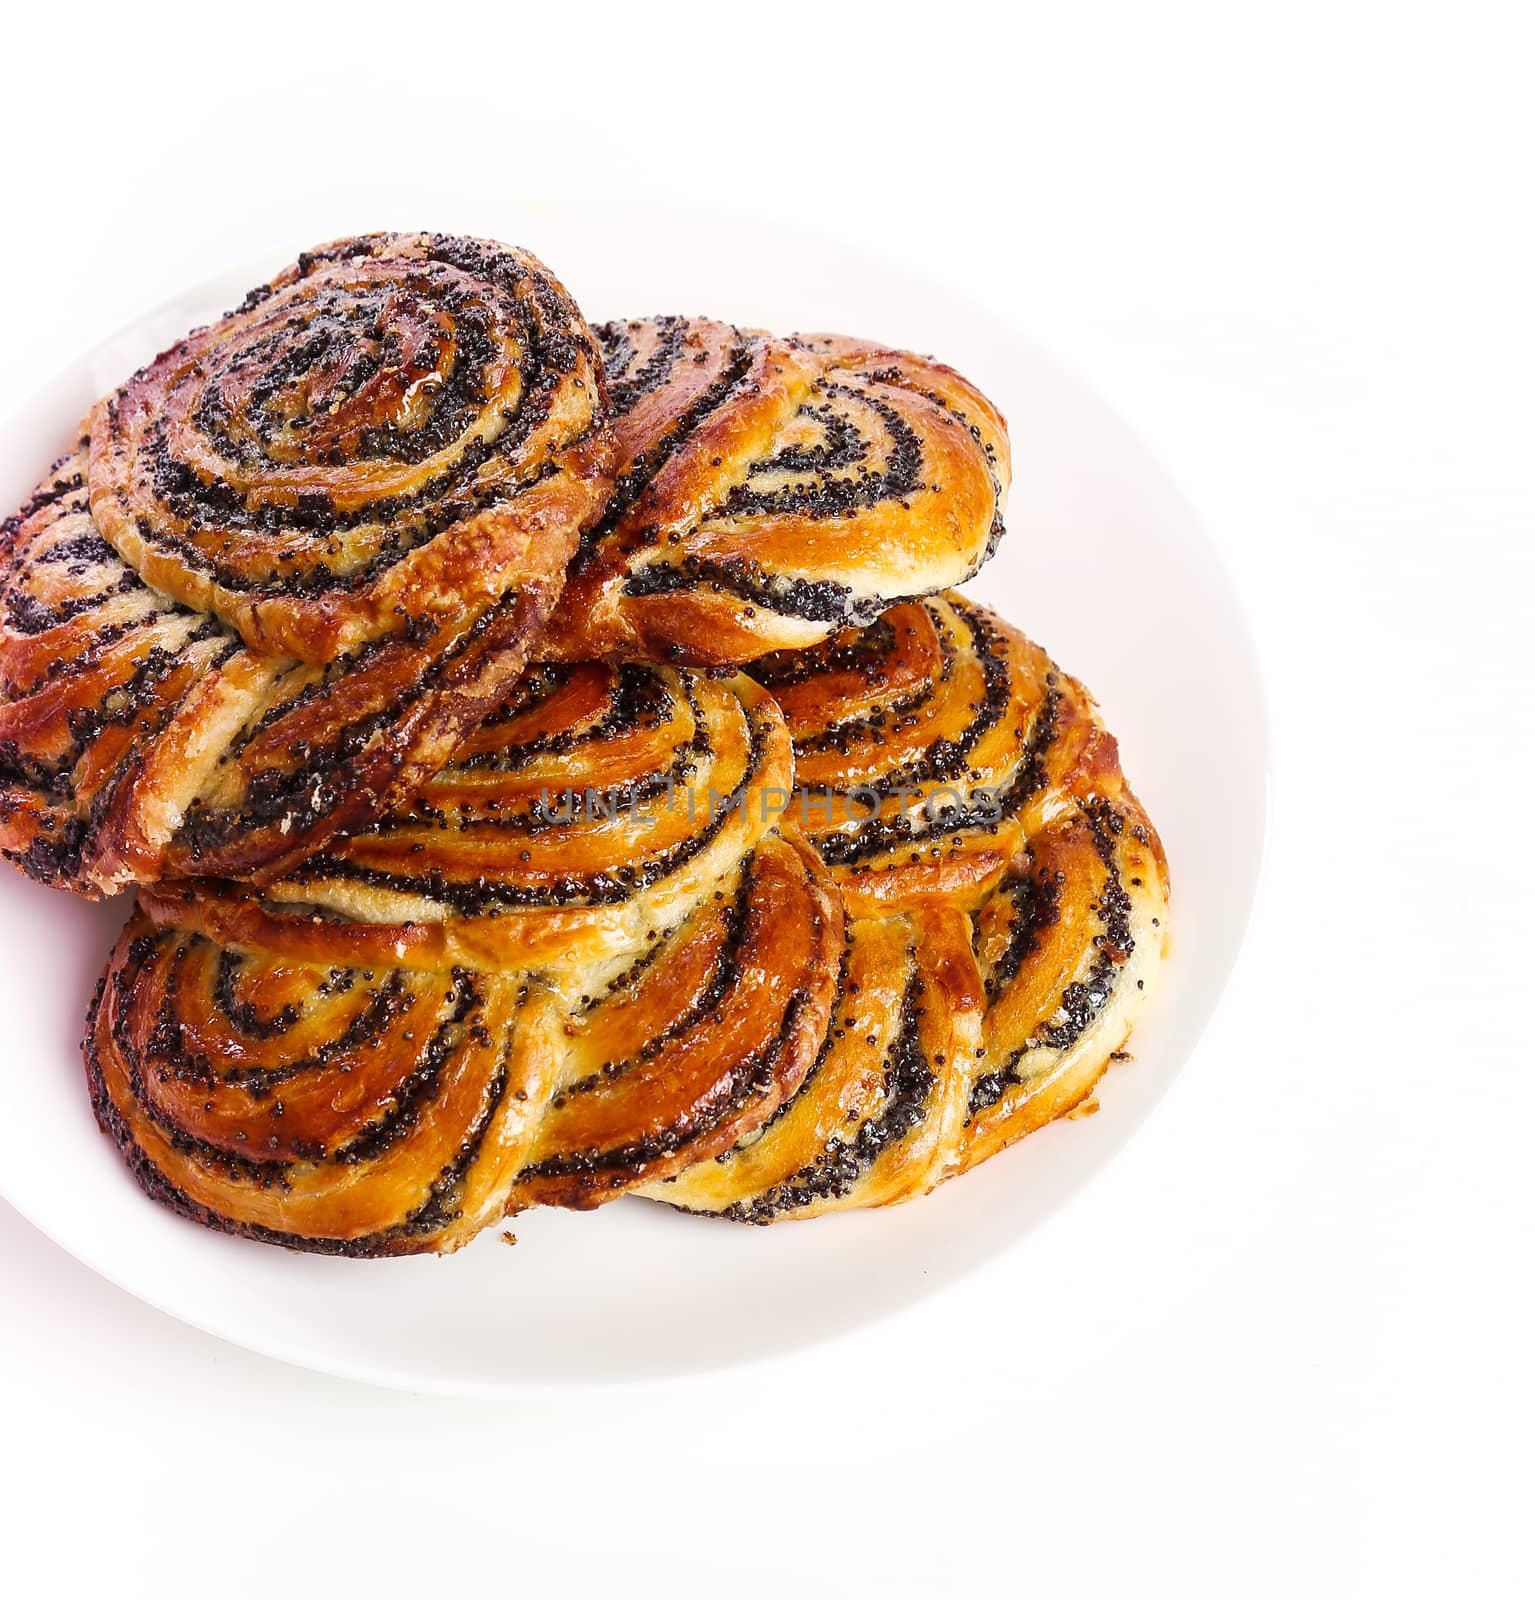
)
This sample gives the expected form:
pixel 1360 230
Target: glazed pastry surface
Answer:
pixel 773 490
pixel 398 431
pixel 140 739
pixel 292 562
pixel 1005 897
pixel 544 979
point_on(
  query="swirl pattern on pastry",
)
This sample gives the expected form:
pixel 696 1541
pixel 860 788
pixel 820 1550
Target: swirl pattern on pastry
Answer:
pixel 771 491
pixel 397 431
pixel 139 738
pixel 1005 895
pixel 495 998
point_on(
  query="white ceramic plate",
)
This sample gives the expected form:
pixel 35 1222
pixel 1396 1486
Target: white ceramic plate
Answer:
pixel 635 1291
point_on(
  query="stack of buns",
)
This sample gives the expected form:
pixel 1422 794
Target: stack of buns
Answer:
pixel 553 763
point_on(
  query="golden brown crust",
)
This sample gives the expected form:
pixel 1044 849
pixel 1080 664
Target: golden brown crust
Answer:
pixel 375 471
pixel 346 1112
pixel 1005 897
pixel 486 1002
pixel 398 430
pixel 138 738
pixel 771 491
pixel 701 1044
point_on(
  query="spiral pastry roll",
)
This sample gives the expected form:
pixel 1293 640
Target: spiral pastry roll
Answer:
pixel 397 431
pixel 1006 898
pixel 772 491
pixel 140 738
pixel 545 979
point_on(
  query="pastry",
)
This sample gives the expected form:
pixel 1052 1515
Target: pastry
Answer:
pixel 396 431
pixel 585 954
pixel 1005 897
pixel 359 583
pixel 772 491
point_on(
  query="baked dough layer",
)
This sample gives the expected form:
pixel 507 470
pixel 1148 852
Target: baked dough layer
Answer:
pixel 772 491
pixel 1006 904
pixel 397 431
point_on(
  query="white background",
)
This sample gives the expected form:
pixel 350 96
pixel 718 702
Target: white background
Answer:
pixel 1283 1346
